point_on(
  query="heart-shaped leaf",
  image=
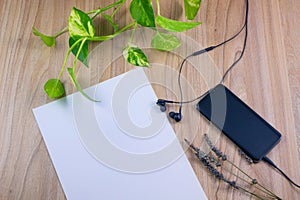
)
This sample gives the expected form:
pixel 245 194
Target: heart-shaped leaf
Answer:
pixel 80 24
pixel 191 8
pixel 48 40
pixel 173 25
pixel 83 55
pixel 142 12
pixel 165 42
pixel 77 85
pixel 54 88
pixel 135 56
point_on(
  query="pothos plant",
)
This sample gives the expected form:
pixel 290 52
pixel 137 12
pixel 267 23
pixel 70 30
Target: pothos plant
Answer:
pixel 82 31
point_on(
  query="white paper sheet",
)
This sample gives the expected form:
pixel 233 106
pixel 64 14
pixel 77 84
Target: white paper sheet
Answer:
pixel 120 148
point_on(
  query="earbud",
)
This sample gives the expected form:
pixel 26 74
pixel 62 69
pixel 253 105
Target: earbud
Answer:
pixel 162 104
pixel 176 116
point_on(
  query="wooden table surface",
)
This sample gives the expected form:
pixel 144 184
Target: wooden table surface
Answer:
pixel 267 79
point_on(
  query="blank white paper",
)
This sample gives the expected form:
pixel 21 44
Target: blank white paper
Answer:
pixel 101 156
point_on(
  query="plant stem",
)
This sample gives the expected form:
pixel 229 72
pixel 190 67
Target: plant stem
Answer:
pixel 118 8
pixel 107 37
pixel 67 56
pixel 251 193
pixel 256 186
pixel 239 169
pixel 77 55
pixel 62 31
pixel 270 192
pixel 100 10
pixel 236 175
pixel 158 7
pixel 132 33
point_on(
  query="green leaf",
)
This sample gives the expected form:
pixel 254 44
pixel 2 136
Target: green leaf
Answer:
pixel 142 12
pixel 191 8
pixel 135 56
pixel 77 85
pixel 173 25
pixel 54 88
pixel 48 40
pixel 111 21
pixel 165 42
pixel 83 55
pixel 80 24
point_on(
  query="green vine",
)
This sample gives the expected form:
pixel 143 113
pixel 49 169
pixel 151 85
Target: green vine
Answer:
pixel 82 31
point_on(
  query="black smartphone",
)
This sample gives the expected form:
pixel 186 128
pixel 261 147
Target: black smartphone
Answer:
pixel 242 125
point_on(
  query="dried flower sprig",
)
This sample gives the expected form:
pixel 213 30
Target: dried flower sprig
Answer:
pixel 216 158
pixel 252 181
pixel 204 158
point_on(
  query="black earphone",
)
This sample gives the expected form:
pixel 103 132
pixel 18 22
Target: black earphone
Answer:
pixel 163 108
pixel 162 102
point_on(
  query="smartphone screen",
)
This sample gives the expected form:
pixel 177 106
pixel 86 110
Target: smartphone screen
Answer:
pixel 250 132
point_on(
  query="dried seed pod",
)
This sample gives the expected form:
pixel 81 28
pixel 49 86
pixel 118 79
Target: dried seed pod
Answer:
pixel 254 181
pixel 224 157
pixel 218 153
pixel 232 183
pixel 211 168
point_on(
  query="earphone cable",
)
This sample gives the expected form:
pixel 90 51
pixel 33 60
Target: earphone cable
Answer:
pixel 270 162
pixel 245 26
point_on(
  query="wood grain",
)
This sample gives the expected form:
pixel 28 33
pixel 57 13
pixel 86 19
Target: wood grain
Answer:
pixel 267 78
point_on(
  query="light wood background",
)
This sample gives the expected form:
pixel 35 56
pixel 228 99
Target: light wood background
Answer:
pixel 267 78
